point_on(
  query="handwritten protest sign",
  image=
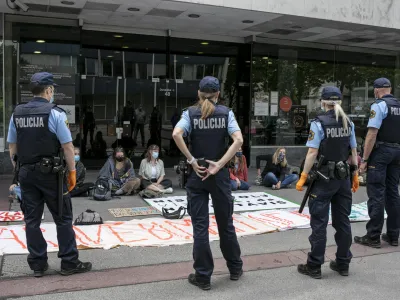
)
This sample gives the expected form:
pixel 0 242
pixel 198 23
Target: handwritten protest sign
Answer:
pixel 242 202
pixel 146 232
pixel 12 216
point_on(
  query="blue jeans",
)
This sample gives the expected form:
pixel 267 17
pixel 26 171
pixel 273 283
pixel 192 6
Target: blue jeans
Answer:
pixel 244 186
pixel 16 191
pixel 270 180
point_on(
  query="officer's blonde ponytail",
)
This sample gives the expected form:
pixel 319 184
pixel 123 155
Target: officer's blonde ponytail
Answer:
pixel 339 112
pixel 206 103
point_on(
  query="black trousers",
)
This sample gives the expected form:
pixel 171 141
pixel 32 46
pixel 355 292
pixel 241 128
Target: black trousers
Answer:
pixel 37 189
pixel 78 191
pixel 139 127
pixel 383 191
pixel 198 197
pixel 336 193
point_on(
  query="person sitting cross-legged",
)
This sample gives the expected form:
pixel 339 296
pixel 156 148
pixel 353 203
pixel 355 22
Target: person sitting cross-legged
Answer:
pixel 276 171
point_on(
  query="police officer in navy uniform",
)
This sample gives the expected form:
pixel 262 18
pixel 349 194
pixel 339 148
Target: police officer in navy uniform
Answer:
pixel 208 125
pixel 37 131
pixel 331 135
pixel 381 158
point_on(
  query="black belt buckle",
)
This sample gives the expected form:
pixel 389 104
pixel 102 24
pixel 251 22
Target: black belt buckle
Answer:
pixel 46 165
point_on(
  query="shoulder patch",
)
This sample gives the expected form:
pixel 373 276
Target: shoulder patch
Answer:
pixel 372 114
pixel 67 123
pixel 311 135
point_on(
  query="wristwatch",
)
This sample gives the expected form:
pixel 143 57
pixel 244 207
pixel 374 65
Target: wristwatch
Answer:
pixel 364 160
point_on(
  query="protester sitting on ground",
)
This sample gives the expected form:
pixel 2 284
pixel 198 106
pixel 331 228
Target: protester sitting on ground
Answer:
pixel 15 191
pixel 276 171
pixel 81 189
pixel 238 172
pixel 119 171
pixel 152 172
pixel 99 146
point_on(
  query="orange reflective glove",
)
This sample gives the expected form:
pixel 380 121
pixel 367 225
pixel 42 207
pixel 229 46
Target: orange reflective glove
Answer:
pixel 71 180
pixel 301 182
pixel 356 183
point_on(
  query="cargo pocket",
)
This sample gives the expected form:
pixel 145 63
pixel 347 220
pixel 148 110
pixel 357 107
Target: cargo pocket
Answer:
pixel 375 176
pixel 314 205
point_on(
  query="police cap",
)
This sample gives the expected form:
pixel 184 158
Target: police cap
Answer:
pixel 42 79
pixel 382 83
pixel 331 93
pixel 209 84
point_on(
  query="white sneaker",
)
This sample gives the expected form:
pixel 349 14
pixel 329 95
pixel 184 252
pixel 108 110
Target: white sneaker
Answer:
pixel 168 191
pixel 119 192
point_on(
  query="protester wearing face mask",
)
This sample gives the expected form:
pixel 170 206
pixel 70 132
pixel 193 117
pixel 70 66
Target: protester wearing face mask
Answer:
pixel 81 189
pixel 276 171
pixel 152 172
pixel 120 172
pixel 238 172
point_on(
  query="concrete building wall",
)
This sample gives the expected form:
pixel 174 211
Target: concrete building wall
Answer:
pixel 382 13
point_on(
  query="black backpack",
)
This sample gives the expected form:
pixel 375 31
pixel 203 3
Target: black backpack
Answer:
pixel 102 189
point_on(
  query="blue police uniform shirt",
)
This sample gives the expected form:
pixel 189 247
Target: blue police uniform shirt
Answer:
pixel 184 123
pixel 57 124
pixel 317 135
pixel 379 111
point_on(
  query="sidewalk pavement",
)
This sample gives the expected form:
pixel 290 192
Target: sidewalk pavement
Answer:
pixel 371 278
pixel 14 267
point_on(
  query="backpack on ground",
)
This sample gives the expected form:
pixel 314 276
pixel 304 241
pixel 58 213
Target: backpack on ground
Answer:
pixel 102 189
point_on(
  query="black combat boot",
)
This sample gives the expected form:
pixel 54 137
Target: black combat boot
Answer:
pixel 314 272
pixel 81 267
pixel 40 272
pixel 236 276
pixel 342 270
pixel 205 286
pixel 390 241
pixel 367 241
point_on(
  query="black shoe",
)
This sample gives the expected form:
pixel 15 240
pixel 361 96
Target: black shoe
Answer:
pixel 388 240
pixel 367 241
pixel 307 270
pixel 344 271
pixel 40 273
pixel 236 276
pixel 82 267
pixel 202 285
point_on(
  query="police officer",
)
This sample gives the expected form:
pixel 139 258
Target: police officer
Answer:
pixel 37 131
pixel 331 135
pixel 208 125
pixel 382 156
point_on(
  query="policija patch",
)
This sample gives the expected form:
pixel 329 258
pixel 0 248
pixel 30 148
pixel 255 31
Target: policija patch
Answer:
pixel 66 123
pixel 311 135
pixel 372 115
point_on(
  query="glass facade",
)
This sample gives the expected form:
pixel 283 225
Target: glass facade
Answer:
pixel 273 87
pixel 287 83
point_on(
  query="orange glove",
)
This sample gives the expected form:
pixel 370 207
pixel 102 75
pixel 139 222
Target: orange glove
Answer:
pixel 71 180
pixel 356 183
pixel 301 182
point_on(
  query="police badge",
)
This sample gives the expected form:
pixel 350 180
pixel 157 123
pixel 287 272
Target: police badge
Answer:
pixel 311 135
pixel 373 114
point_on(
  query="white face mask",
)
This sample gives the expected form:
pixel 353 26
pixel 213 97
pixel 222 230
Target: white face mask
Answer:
pixel 322 107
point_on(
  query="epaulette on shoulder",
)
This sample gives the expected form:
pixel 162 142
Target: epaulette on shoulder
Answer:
pixel 59 109
pixel 377 101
